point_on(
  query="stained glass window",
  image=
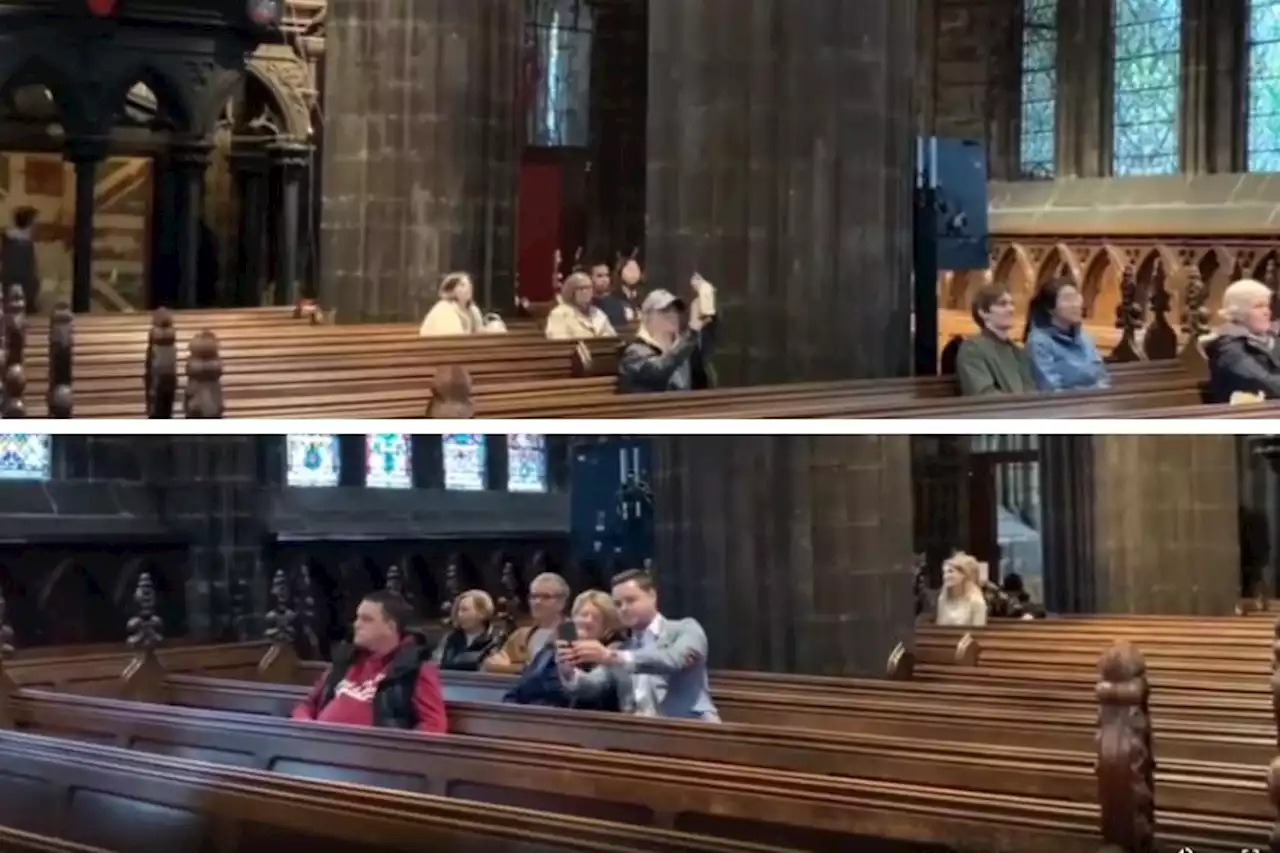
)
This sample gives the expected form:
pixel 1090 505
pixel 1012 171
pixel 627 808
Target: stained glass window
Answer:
pixel 1037 145
pixel 1263 142
pixel 388 459
pixel 25 456
pixel 526 463
pixel 312 460
pixel 557 71
pixel 1148 70
pixel 466 467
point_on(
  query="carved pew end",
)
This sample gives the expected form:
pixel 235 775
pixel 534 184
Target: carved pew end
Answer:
pixel 902 663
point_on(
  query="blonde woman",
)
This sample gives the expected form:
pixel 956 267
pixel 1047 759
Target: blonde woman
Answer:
pixel 577 318
pixel 455 311
pixel 1242 357
pixel 472 638
pixel 595 617
pixel 961 602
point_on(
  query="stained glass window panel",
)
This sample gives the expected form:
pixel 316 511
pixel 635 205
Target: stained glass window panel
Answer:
pixel 312 460
pixel 526 463
pixel 1039 88
pixel 557 71
pixel 1263 142
pixel 388 460
pixel 1148 69
pixel 465 463
pixel 25 456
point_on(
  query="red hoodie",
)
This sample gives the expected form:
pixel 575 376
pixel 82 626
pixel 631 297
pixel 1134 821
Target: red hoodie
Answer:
pixel 352 702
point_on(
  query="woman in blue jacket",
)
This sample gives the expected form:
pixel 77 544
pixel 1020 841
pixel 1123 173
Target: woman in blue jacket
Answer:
pixel 1063 356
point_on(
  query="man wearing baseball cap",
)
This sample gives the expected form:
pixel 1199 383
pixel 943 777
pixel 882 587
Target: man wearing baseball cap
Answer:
pixel 668 353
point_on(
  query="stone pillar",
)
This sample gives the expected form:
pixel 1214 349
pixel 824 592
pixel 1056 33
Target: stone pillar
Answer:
pixel 86 153
pixel 1150 524
pixel 781 167
pixel 795 552
pixel 212 495
pixel 190 160
pixel 250 166
pixel 420 153
pixel 290 160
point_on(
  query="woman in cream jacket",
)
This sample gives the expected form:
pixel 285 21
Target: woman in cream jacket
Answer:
pixel 576 317
pixel 455 313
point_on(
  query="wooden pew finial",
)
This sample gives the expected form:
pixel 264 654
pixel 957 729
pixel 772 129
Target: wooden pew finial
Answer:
pixel 395 582
pixel 307 609
pixel 280 663
pixel 160 372
pixel 143 678
pixel 1126 763
pixel 452 588
pixel 61 350
pixel 204 378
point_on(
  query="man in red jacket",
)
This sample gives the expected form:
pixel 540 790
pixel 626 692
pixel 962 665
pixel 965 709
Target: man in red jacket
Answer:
pixel 385 678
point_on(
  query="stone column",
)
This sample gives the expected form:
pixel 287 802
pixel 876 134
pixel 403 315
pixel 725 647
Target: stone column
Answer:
pixel 290 160
pixel 420 152
pixel 250 165
pixel 781 167
pixel 85 153
pixel 190 161
pixel 795 552
pixel 1143 524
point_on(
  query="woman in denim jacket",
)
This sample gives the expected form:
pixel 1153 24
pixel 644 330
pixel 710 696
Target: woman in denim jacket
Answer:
pixel 1063 356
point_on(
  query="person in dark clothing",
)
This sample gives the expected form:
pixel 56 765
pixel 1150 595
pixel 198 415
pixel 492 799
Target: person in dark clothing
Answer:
pixel 664 356
pixel 1243 362
pixel 990 362
pixel 385 678
pixel 595 617
pixel 615 306
pixel 472 638
pixel 18 257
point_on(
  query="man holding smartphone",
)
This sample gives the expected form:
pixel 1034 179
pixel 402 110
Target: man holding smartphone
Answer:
pixel 661 671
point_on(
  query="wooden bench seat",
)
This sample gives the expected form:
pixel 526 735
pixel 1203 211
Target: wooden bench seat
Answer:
pixel 146 803
pixel 16 841
pixel 923 770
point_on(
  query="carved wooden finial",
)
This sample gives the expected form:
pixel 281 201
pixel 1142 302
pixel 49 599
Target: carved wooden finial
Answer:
pixel 281 618
pixel 509 600
pixel 395 581
pixel 59 399
pixel 1126 763
pixel 452 588
pixel 451 394
pixel 1195 313
pixel 307 608
pixel 1159 340
pixel 204 378
pixel 1128 319
pixel 160 371
pixel 146 630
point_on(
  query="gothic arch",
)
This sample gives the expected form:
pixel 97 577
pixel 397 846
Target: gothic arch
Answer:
pixel 37 67
pixel 285 79
pixel 173 99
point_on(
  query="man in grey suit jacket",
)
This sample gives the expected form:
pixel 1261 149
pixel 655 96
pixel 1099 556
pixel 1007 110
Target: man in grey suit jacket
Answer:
pixel 660 672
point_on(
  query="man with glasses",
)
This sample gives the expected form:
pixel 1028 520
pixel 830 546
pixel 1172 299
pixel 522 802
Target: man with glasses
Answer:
pixel 548 597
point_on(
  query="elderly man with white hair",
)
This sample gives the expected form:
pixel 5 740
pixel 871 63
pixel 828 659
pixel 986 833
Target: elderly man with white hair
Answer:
pixel 1243 362
pixel 670 353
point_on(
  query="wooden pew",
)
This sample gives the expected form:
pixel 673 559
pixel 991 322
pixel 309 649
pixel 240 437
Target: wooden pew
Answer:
pixel 805 811
pixel 16 841
pixel 1218 789
pixel 145 803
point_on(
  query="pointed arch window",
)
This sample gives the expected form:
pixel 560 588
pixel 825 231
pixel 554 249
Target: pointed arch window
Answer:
pixel 466 463
pixel 25 456
pixel 1148 84
pixel 557 72
pixel 526 462
pixel 388 460
pixel 312 460
pixel 1037 149
pixel 1262 143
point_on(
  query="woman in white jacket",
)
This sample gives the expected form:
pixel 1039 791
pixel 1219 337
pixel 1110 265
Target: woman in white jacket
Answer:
pixel 455 313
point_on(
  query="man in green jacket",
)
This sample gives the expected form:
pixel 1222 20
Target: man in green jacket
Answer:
pixel 990 362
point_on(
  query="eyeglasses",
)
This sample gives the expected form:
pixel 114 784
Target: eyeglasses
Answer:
pixel 543 596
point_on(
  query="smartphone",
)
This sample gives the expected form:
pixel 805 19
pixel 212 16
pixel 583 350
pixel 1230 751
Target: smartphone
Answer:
pixel 568 631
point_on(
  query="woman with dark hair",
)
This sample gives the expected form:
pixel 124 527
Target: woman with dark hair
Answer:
pixel 1063 356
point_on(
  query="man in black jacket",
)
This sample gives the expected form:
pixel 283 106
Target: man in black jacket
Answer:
pixel 668 354
pixel 18 257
